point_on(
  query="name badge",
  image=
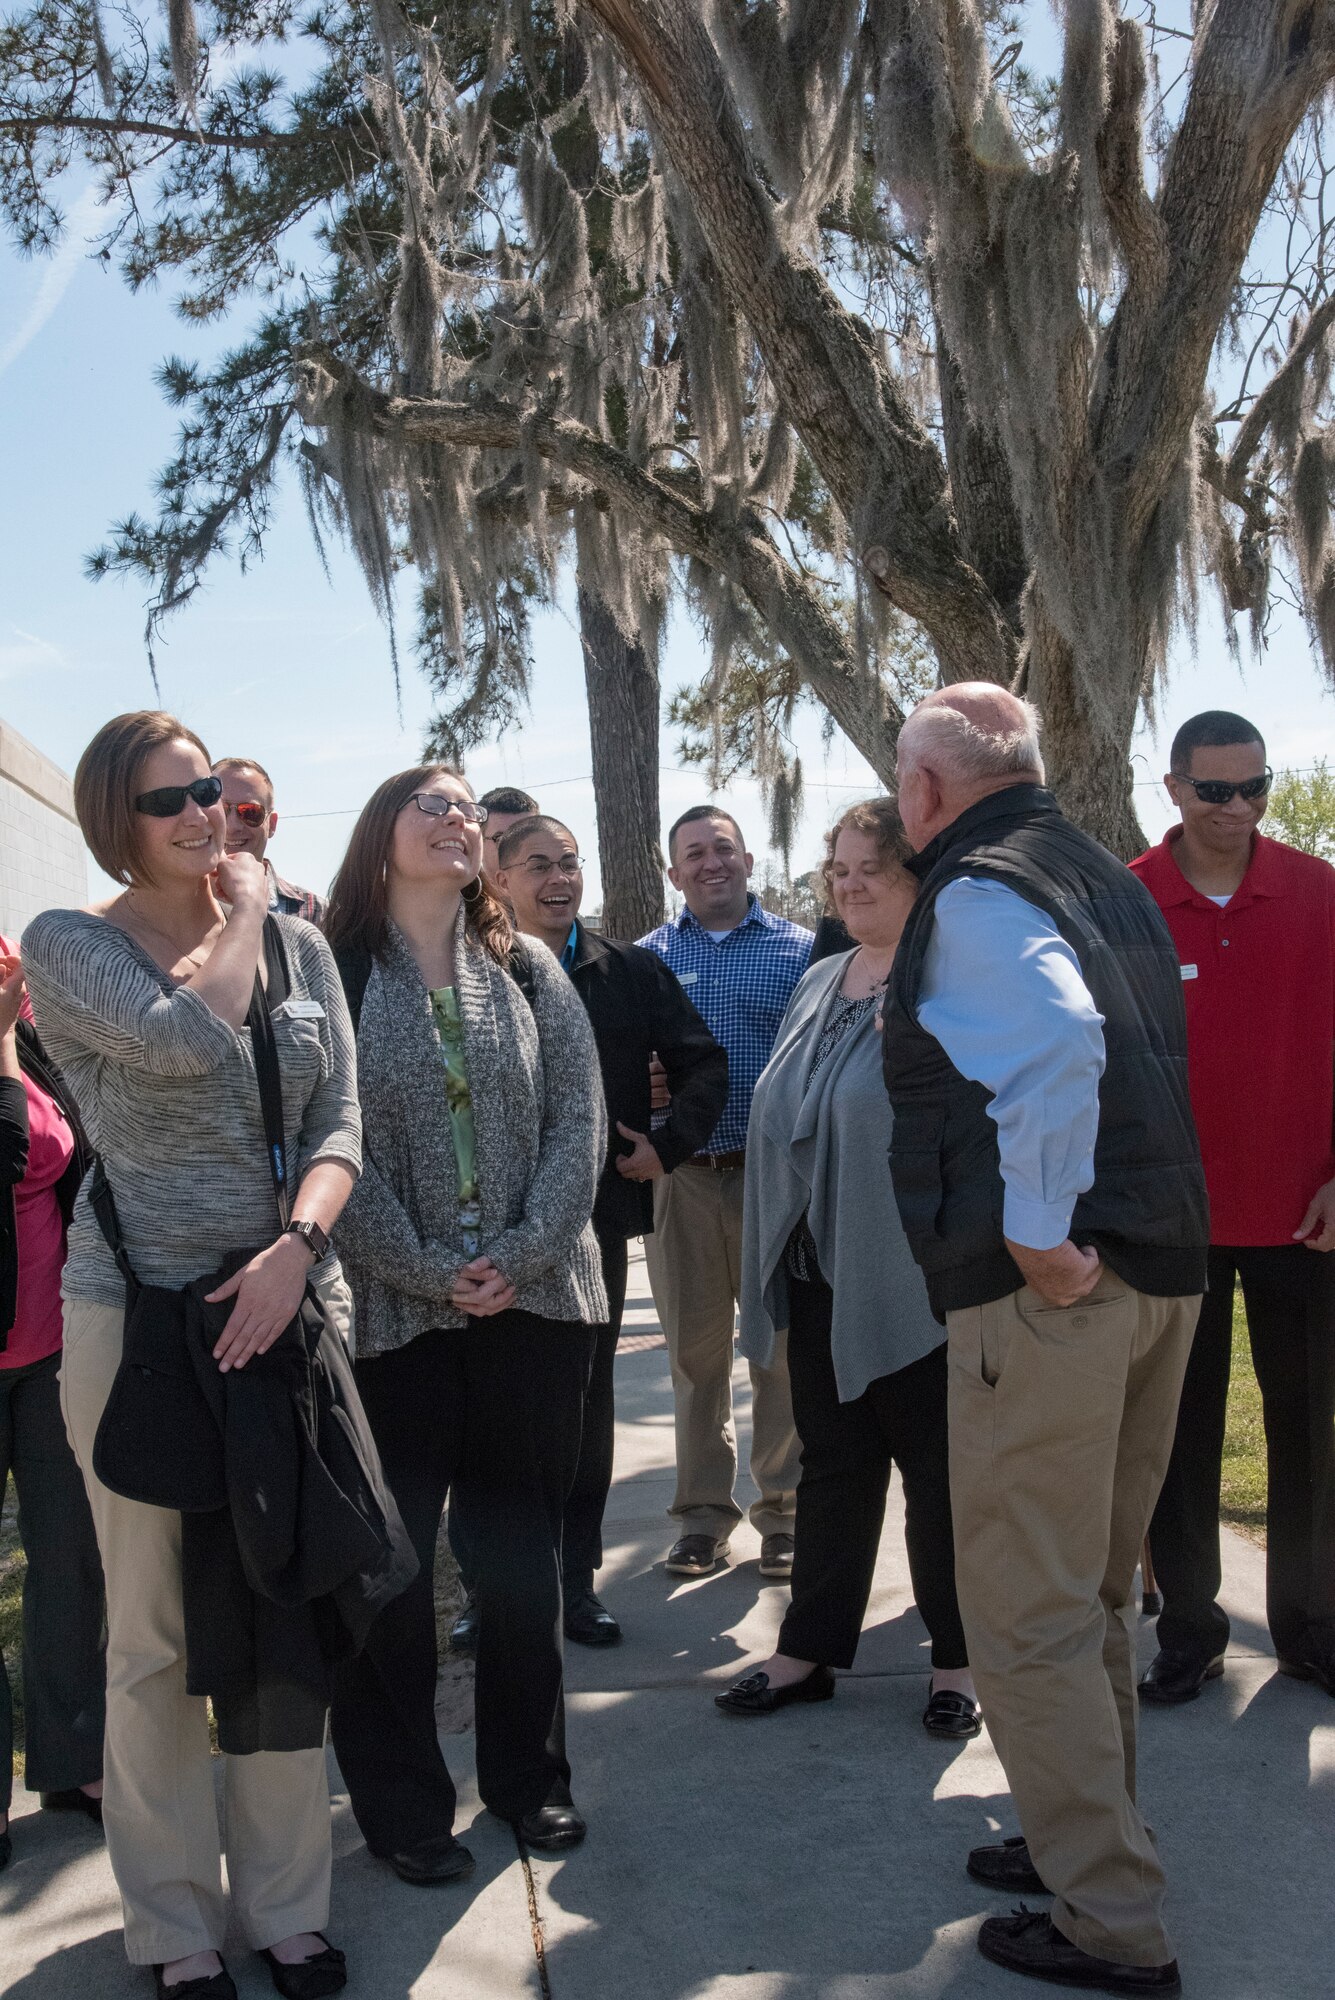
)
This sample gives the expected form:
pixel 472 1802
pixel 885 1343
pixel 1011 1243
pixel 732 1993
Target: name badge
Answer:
pixel 299 1010
pixel 687 978
pixel 1189 972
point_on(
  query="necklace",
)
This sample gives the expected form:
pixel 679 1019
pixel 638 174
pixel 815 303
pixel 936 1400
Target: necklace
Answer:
pixel 138 921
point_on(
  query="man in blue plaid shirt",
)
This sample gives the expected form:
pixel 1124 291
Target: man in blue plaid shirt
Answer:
pixel 739 965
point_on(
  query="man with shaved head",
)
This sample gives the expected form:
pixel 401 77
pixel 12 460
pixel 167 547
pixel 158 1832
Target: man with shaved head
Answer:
pixel 1048 1176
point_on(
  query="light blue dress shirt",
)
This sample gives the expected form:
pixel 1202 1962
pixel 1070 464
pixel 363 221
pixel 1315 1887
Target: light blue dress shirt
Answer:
pixel 1003 993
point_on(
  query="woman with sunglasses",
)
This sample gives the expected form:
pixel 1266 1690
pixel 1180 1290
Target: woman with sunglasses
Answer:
pixel 142 1000
pixel 476 1277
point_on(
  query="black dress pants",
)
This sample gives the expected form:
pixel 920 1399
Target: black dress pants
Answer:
pixel 1289 1295
pixel 491 1410
pixel 848 1450
pixel 64 1610
pixel 582 1529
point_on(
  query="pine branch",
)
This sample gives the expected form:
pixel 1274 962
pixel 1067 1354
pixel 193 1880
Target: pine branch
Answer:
pixel 144 128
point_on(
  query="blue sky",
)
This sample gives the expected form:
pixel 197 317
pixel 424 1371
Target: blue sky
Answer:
pixel 294 669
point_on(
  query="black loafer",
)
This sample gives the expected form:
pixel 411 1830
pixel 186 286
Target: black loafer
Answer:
pixel 6 1848
pixel 1322 1671
pixel 551 1828
pixel 755 1696
pixel 214 1986
pixel 1006 1865
pixel 311 1978
pixel 695 1555
pixel 951 1714
pixel 1030 1942
pixel 444 1859
pixel 589 1622
pixel 463 1632
pixel 1172 1678
pixel 73 1800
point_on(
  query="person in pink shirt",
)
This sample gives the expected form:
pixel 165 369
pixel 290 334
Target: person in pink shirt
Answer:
pixel 42 1161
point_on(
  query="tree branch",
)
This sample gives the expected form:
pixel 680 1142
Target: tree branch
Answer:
pixel 735 545
pixel 1253 425
pixel 144 128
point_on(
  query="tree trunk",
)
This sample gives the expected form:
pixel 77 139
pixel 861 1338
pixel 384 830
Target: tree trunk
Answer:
pixel 1084 742
pixel 622 684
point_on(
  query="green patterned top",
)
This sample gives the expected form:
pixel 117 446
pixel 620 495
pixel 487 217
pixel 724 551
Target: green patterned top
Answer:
pixel 459 1103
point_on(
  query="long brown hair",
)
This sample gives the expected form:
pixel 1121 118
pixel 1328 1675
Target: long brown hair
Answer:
pixel 359 899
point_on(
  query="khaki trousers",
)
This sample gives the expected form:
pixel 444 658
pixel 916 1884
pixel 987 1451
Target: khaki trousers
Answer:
pixel 1061 1424
pixel 159 1810
pixel 695 1265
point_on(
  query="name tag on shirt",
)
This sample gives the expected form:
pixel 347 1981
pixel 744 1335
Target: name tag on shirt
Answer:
pixel 299 1010
pixel 687 978
pixel 1189 972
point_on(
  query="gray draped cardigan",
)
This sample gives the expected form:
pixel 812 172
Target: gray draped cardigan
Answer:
pixel 821 1147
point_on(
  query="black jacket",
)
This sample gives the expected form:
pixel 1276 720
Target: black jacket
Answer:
pixel 637 1007
pixel 291 1543
pixel 39 1068
pixel 1146 1212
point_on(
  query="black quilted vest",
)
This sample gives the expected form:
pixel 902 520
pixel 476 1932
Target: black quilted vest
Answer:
pixel 1146 1212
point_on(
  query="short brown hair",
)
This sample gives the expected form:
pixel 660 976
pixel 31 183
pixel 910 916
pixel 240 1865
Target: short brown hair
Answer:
pixel 246 764
pixel 107 780
pixel 514 836
pixel 878 817
pixel 693 813
pixel 358 909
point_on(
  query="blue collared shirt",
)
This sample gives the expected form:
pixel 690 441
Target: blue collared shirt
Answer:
pixel 741 985
pixel 1004 995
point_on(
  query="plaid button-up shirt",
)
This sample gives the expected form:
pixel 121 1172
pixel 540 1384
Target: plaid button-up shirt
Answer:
pixel 741 986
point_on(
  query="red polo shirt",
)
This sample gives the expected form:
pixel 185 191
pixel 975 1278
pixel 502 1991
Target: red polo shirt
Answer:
pixel 1258 978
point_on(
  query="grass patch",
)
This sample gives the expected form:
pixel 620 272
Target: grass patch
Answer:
pixel 1242 1495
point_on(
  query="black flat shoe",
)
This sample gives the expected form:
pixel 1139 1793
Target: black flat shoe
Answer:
pixel 755 1696
pixel 1172 1677
pixel 443 1859
pixel 551 1828
pixel 589 1622
pixel 463 1632
pixel 951 1714
pixel 213 1986
pixel 1030 1942
pixel 1322 1671
pixel 1006 1865
pixel 324 1972
pixel 73 1800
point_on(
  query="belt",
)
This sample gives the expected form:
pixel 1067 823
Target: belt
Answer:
pixel 720 1163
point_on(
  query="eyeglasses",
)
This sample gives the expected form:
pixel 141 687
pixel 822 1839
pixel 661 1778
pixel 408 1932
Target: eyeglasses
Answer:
pixel 168 800
pixel 436 806
pixel 1214 792
pixel 540 866
pixel 250 812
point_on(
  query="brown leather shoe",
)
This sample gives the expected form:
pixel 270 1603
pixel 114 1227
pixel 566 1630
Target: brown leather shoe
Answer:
pixel 1030 1942
pixel 696 1555
pixel 776 1557
pixel 1006 1865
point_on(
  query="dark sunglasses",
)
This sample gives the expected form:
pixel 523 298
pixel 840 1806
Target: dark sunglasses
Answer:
pixel 250 812
pixel 436 806
pixel 168 800
pixel 1214 792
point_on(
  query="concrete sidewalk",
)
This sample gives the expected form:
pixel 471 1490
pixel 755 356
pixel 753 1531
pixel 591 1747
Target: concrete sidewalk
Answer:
pixel 814 1856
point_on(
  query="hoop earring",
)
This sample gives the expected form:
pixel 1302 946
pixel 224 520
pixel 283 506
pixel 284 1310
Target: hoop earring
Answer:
pixel 472 891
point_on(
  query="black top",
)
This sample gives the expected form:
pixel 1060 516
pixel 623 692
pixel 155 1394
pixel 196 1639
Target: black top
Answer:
pixel 636 1007
pixel 1146 1212
pixel 39 1068
pixel 832 935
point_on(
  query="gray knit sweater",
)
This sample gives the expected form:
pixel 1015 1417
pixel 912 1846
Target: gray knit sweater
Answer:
pixel 168 1095
pixel 541 1139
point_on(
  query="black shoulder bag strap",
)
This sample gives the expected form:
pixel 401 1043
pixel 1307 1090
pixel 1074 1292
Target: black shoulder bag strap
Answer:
pixel 267 1072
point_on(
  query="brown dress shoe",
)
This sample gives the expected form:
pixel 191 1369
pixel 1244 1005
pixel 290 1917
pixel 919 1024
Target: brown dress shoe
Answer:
pixel 1030 1942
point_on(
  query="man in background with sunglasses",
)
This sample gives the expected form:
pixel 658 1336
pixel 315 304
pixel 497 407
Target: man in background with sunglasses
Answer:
pixel 248 797
pixel 1254 925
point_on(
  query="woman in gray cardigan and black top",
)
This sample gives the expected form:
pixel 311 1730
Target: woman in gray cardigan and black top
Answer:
pixel 477 1284
pixel 824 1255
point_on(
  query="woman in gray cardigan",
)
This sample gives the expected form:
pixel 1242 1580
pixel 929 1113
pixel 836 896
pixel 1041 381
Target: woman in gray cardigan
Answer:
pixel 477 1283
pixel 824 1255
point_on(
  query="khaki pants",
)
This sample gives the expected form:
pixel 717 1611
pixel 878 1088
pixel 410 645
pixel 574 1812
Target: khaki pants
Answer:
pixel 1061 1423
pixel 159 1811
pixel 695 1258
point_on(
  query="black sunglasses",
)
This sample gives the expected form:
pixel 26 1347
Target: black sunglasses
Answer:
pixel 168 800
pixel 1214 792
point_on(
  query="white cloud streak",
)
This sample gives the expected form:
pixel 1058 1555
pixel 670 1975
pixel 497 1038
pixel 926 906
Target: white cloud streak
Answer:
pixel 54 282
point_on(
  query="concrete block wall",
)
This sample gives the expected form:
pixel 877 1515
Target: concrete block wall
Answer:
pixel 43 861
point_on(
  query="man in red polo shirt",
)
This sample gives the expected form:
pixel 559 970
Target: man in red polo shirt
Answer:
pixel 1254 925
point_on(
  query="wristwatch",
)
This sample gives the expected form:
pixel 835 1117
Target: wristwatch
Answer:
pixel 312 1236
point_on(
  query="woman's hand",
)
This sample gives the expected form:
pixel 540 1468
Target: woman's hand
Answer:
pixel 243 882
pixel 481 1290
pixel 12 991
pixel 268 1290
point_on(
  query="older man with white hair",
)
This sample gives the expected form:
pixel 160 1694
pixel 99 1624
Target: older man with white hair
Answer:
pixel 1049 1180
